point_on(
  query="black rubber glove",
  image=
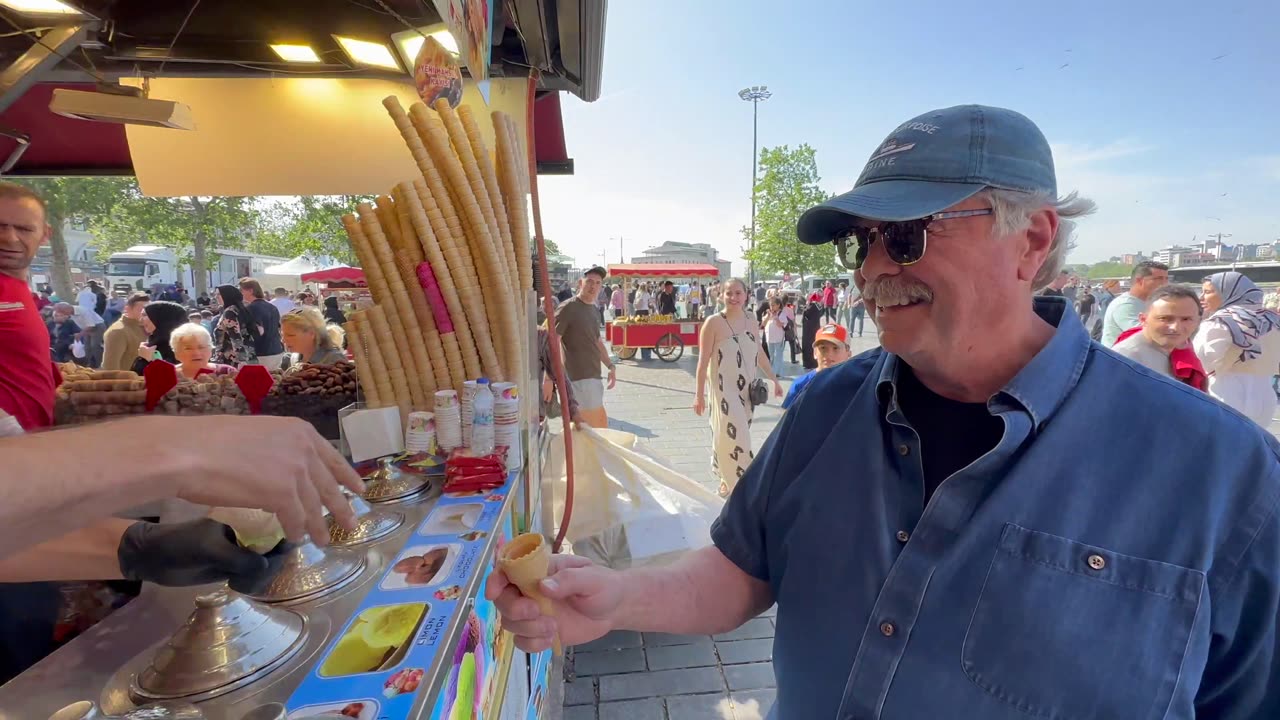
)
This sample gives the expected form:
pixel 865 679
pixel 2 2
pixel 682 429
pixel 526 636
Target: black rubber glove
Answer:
pixel 190 553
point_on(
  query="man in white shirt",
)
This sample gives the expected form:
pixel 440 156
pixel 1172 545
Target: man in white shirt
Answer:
pixel 92 327
pixel 1167 325
pixel 282 301
pixel 1122 313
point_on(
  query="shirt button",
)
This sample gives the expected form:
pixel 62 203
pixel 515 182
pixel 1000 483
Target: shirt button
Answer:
pixel 903 536
pixel 904 449
pixel 1097 562
pixel 887 629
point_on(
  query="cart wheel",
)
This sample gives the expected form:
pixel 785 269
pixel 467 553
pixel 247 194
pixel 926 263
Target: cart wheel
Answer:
pixel 626 353
pixel 669 348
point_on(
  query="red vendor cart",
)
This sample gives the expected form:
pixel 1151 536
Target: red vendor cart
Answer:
pixel 667 338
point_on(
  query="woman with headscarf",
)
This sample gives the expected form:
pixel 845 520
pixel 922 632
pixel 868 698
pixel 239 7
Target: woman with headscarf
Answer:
pixel 1239 345
pixel 812 321
pixel 236 333
pixel 159 318
pixel 332 313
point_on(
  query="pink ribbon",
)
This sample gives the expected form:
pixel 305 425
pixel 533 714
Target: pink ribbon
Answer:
pixel 427 279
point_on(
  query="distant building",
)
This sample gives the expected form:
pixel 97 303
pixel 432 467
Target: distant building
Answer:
pixel 1192 258
pixel 1265 252
pixel 558 271
pixel 81 255
pixel 1172 255
pixel 671 253
pixel 1130 258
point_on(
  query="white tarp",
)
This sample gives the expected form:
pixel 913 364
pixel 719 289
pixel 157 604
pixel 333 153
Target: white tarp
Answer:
pixel 300 265
pixel 629 508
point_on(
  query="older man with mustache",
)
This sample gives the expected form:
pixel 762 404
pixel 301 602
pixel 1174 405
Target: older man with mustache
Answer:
pixel 989 552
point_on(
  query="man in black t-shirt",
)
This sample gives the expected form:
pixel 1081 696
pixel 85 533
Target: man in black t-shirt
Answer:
pixel 268 346
pixel 667 299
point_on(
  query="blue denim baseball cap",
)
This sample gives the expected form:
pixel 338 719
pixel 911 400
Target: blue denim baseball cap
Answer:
pixel 934 161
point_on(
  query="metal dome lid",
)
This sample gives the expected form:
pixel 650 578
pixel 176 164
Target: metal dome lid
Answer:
pixel 228 641
pixel 307 570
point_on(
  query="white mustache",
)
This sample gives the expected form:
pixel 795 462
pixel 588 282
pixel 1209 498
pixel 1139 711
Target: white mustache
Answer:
pixel 894 290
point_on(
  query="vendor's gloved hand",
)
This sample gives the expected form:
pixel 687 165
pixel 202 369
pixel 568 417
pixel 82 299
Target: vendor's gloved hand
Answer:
pixel 190 553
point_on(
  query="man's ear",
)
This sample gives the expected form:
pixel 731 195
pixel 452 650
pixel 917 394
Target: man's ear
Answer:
pixel 1142 318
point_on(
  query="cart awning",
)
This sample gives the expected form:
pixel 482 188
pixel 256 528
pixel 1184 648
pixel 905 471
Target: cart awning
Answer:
pixel 339 274
pixel 664 270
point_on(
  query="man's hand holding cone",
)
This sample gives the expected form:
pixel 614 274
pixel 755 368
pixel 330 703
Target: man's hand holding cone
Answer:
pixel 583 599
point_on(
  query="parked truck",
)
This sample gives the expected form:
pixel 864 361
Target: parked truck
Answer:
pixel 148 267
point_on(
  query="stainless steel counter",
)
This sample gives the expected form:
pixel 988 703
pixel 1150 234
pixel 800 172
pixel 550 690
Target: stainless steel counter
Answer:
pixel 99 664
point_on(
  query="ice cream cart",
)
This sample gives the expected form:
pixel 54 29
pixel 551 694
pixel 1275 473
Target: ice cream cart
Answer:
pixel 666 335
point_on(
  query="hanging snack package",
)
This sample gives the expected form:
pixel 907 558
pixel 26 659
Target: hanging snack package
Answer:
pixel 436 73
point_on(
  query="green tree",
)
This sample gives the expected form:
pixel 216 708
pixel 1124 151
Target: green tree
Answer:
pixel 788 186
pixel 188 225
pixel 309 225
pixel 81 201
pixel 1109 270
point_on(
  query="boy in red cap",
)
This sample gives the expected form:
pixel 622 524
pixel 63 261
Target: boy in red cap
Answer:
pixel 831 346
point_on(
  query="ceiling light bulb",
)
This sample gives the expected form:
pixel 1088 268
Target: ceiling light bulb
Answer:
pixel 364 52
pixel 410 42
pixel 295 53
pixel 40 7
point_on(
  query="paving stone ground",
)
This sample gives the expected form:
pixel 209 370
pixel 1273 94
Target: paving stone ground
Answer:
pixel 656 676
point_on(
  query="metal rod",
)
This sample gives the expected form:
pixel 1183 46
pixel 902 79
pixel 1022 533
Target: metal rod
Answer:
pixel 755 171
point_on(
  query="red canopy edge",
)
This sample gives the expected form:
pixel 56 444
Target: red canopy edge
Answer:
pixel 664 270
pixel 342 273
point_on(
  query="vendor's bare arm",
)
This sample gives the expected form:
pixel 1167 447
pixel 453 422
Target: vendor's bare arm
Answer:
pixel 701 594
pixel 49 492
pixel 86 554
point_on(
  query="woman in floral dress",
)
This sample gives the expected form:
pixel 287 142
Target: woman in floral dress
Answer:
pixel 236 332
pixel 729 357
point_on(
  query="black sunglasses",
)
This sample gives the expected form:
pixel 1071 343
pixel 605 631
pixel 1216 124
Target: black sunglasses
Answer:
pixel 904 242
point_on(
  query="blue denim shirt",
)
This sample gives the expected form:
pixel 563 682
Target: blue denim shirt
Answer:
pixel 1117 555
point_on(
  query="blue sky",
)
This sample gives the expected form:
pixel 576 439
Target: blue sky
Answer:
pixel 1142 119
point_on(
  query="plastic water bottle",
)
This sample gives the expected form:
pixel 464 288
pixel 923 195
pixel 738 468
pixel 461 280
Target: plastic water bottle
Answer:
pixel 482 419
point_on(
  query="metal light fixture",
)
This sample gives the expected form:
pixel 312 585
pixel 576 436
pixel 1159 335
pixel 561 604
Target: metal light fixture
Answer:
pixel 295 53
pixel 40 7
pixel 754 94
pixel 409 42
pixel 363 52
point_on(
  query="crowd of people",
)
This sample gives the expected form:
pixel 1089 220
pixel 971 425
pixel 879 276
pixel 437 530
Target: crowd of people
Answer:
pixel 1220 338
pixel 238 325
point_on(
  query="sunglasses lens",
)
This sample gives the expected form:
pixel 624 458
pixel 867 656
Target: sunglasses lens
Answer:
pixel 904 241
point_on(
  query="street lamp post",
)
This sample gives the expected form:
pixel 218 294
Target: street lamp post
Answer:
pixel 754 95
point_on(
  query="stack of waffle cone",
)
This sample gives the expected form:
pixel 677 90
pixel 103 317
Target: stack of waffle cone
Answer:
pixel 525 561
pixel 466 184
pixel 386 344
pixel 512 175
pixel 381 386
pixel 452 194
pixel 435 233
pixel 364 367
pixel 433 253
pixel 414 356
pixel 395 354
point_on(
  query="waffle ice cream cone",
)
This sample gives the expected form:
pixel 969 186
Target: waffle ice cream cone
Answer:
pixel 526 561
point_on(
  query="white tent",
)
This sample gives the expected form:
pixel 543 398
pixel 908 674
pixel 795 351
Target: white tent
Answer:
pixel 300 265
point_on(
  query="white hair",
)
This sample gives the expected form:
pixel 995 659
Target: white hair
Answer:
pixel 1013 210
pixel 188 331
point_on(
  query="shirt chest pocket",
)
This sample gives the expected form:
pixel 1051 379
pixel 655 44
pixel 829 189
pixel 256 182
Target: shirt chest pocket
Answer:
pixel 1069 631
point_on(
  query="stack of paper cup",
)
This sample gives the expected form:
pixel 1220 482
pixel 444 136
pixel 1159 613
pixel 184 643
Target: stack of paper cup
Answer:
pixel 468 397
pixel 420 435
pixel 506 421
pixel 448 420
